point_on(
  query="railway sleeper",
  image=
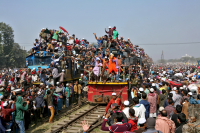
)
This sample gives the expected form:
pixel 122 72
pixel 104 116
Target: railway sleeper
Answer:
pixel 87 119
pixel 62 123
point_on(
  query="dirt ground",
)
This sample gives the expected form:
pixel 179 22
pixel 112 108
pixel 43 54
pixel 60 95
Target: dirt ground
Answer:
pixel 42 127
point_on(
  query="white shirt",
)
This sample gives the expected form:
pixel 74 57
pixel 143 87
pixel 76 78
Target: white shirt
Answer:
pixel 174 94
pixel 139 110
pixel 126 112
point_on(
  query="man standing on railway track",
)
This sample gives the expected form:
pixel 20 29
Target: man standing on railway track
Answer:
pixel 49 98
pixel 114 99
pixel 67 94
pixel 77 90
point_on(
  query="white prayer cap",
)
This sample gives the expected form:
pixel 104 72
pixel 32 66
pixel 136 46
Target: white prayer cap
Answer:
pixel 151 80
pixel 57 83
pixel 5 104
pixel 190 93
pixel 67 84
pixel 164 72
pixel 126 103
pixel 114 94
pixel 184 86
pixel 141 120
pixel 151 90
pixel 63 70
pixel 109 27
pixel 39 92
pixel 161 108
pixel 193 78
pixel 141 89
pixel 153 84
pixel 174 89
pixel 97 58
pixel 181 88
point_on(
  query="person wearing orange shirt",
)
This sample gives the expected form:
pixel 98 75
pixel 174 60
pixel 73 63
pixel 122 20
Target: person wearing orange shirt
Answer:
pixel 113 100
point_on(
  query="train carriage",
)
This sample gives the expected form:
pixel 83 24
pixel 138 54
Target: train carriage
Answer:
pixel 100 92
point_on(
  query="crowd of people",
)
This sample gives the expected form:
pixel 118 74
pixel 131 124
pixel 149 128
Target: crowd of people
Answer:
pixel 160 103
pixel 155 91
pixel 23 102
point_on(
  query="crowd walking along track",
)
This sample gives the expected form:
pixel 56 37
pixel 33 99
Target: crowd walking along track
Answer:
pixel 93 115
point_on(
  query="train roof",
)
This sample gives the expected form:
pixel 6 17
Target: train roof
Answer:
pixel 39 52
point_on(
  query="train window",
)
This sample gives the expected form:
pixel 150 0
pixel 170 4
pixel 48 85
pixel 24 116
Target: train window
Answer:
pixel 42 60
pixel 30 62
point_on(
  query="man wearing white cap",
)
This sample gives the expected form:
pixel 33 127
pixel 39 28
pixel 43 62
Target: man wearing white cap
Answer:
pixel 68 93
pixel 141 123
pixel 114 100
pixel 110 32
pixel 174 92
pixel 191 99
pixel 126 109
pixel 152 99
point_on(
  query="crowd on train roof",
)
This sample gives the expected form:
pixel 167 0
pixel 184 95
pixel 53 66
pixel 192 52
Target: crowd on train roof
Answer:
pixel 159 95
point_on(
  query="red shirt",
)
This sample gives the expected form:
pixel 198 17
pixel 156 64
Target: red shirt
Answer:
pixel 33 72
pixel 78 41
pixel 7 116
pixel 134 125
pixel 8 89
pixel 118 101
pixel 12 79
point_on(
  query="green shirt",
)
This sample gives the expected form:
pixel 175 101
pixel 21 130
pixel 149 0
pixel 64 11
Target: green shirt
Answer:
pixel 67 89
pixel 115 34
pixel 147 91
pixel 20 109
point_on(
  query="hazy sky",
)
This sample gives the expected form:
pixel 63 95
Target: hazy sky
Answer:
pixel 144 22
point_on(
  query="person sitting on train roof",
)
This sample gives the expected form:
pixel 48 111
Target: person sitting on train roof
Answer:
pixel 110 31
pixel 114 99
pixel 119 126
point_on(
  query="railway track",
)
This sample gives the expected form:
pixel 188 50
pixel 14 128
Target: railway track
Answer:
pixel 66 112
pixel 93 115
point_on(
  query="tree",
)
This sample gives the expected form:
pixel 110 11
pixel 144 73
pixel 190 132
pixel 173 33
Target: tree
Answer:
pixel 11 55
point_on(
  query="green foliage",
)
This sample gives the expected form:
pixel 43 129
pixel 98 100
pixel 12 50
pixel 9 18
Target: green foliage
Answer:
pixel 11 55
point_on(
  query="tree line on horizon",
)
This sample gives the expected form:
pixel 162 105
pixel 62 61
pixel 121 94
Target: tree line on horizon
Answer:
pixel 12 55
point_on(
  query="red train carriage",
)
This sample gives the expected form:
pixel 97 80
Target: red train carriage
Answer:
pixel 100 92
